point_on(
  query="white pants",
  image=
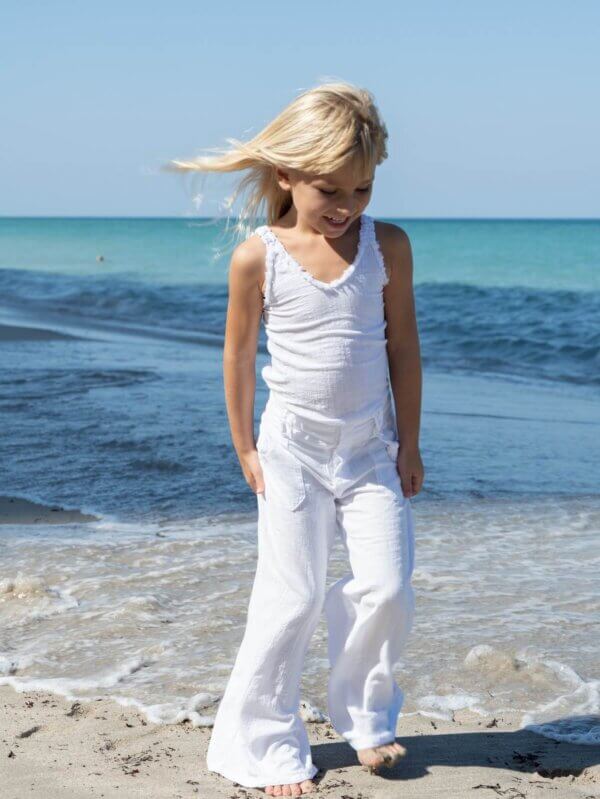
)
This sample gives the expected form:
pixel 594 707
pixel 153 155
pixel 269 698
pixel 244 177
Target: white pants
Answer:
pixel 319 478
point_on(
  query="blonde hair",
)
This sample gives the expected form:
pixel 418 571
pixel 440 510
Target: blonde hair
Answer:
pixel 325 128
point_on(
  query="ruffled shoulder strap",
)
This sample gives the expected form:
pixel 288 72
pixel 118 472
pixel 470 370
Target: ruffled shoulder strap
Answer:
pixel 270 243
pixel 371 241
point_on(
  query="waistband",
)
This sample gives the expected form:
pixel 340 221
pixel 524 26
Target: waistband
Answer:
pixel 330 432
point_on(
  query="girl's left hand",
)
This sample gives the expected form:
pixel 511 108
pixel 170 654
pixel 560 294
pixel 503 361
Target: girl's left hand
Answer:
pixel 410 469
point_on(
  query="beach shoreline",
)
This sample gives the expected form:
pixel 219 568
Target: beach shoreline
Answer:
pixel 17 510
pixel 52 746
pixel 128 561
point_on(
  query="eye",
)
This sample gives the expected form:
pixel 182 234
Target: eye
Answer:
pixel 330 193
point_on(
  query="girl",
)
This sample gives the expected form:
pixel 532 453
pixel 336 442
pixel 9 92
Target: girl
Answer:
pixel 334 290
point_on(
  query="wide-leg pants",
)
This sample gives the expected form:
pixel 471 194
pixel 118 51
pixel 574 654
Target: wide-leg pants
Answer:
pixel 319 479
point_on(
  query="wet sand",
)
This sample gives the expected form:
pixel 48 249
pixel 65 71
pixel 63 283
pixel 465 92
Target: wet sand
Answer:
pixel 68 749
pixel 10 333
pixel 14 510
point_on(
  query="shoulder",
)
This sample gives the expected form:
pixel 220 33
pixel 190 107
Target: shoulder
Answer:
pixel 392 237
pixel 395 247
pixel 248 259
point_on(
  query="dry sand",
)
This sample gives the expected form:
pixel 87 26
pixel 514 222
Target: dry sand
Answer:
pixel 59 749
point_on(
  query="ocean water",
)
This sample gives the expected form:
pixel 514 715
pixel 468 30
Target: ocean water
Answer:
pixel 114 405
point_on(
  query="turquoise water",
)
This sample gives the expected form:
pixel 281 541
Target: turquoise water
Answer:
pixel 535 254
pixel 500 304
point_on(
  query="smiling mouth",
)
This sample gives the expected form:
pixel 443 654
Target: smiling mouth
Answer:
pixel 337 221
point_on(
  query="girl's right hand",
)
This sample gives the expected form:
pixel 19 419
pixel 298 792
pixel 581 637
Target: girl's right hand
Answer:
pixel 252 470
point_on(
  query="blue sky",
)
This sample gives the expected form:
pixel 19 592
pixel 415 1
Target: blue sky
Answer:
pixel 492 108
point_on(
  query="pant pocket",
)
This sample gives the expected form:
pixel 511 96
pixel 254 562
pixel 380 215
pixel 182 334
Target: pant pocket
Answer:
pixel 387 447
pixel 314 445
pixel 282 471
pixel 387 435
pixel 392 447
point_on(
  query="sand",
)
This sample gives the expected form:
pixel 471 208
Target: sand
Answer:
pixel 53 747
pixel 15 510
pixel 19 332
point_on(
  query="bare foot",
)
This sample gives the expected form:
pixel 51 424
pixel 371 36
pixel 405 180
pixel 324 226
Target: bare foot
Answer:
pixel 386 755
pixel 293 789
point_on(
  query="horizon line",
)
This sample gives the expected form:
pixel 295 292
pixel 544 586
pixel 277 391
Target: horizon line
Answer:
pixel 381 216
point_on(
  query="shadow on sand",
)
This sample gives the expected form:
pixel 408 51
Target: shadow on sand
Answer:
pixel 521 750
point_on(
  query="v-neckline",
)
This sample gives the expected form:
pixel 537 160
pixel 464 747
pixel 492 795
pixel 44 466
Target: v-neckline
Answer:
pixel 338 281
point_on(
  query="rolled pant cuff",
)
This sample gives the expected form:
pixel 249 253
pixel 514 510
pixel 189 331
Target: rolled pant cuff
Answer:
pixel 368 742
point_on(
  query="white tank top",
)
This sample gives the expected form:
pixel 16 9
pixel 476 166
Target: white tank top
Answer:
pixel 326 340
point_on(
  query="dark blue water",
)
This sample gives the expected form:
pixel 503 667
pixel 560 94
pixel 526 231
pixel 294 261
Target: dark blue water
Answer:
pixel 126 415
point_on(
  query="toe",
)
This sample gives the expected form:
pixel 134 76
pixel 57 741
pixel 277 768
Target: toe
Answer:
pixel 397 750
pixel 307 786
pixel 286 790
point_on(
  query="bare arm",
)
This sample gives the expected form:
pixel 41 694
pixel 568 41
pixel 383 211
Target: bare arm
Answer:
pixel 404 354
pixel 242 327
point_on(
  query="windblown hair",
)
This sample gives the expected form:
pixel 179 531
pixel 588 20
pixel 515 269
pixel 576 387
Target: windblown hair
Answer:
pixel 324 129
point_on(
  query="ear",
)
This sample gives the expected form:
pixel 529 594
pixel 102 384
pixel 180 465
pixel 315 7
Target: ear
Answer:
pixel 282 176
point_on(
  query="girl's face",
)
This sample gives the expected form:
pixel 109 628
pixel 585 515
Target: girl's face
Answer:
pixel 328 203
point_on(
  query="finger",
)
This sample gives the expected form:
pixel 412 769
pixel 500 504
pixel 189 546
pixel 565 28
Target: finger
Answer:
pixel 406 485
pixel 260 485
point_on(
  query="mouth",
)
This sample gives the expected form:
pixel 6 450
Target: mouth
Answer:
pixel 336 221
